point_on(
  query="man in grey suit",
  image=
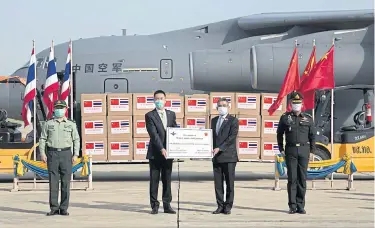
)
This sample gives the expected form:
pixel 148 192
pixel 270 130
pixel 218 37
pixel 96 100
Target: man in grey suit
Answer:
pixel 157 122
pixel 224 131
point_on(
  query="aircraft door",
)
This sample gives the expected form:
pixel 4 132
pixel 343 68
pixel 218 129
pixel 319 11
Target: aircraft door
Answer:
pixel 116 85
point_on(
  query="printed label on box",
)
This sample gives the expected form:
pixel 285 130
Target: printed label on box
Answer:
pixel 141 127
pixel 119 104
pixel 270 149
pixel 247 124
pixel 92 106
pixel 173 105
pixel 94 127
pixel 248 147
pixel 197 105
pixel 270 126
pixel 145 102
pixel 215 99
pixel 196 123
pixel 120 126
pixel 120 148
pixel 247 102
pixel 268 101
pixel 141 147
pixel 95 148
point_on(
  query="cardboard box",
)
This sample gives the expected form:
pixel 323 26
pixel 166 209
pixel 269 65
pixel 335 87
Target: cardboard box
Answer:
pixel 196 122
pixel 249 125
pixel 96 146
pixel 267 100
pixel 143 103
pixel 139 127
pixel 93 104
pixel 269 126
pixel 180 122
pixel 248 103
pixel 175 103
pixel 269 149
pixel 120 104
pixel 197 104
pixel 248 148
pixel 140 146
pixel 94 126
pixel 120 149
pixel 214 97
pixel 120 126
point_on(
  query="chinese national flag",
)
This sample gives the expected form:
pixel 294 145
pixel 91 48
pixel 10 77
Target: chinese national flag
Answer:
pixel 321 76
pixel 291 82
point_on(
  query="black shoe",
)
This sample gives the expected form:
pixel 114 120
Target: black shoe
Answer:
pixel 292 211
pixel 53 212
pixel 301 211
pixel 218 210
pixel 169 210
pixel 155 210
pixel 64 212
pixel 227 211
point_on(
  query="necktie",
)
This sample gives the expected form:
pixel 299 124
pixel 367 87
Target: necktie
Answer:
pixel 219 122
pixel 163 120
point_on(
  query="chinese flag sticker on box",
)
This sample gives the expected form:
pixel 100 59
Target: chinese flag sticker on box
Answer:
pixel 268 101
pixel 195 122
pixel 270 149
pixel 215 99
pixel 247 102
pixel 92 106
pixel 141 127
pixel 173 105
pixel 248 147
pixel 196 105
pixel 248 124
pixel 119 148
pixel 141 147
pixel 270 126
pixel 120 126
pixel 145 102
pixel 95 147
pixel 119 104
pixel 95 127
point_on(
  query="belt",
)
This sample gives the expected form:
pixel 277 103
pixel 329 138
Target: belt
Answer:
pixel 297 144
pixel 58 149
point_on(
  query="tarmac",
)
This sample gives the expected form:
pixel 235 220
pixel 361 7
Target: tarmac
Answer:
pixel 120 199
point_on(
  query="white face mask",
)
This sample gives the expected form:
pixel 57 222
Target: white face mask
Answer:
pixel 222 111
pixel 296 107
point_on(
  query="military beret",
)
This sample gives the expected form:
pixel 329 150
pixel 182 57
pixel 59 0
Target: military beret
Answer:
pixel 296 97
pixel 60 103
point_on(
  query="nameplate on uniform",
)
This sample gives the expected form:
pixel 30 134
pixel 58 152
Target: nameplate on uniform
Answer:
pixel 189 143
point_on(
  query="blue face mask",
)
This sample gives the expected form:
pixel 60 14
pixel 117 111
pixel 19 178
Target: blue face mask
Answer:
pixel 59 112
pixel 159 104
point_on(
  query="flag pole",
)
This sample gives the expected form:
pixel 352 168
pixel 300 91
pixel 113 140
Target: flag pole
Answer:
pixel 332 100
pixel 34 115
pixel 313 110
pixel 71 79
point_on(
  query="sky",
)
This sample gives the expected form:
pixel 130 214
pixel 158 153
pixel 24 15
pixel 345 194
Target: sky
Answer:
pixel 46 20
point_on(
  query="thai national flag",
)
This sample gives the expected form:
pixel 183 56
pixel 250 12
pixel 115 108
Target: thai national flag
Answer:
pixel 51 86
pixel 30 91
pixel 65 88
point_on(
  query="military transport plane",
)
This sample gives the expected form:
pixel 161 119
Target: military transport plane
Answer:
pixel 250 53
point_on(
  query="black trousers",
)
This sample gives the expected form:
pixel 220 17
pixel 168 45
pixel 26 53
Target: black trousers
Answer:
pixel 297 160
pixel 59 164
pixel 224 171
pixel 163 167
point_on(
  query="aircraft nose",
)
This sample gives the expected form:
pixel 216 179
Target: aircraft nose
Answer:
pixel 21 72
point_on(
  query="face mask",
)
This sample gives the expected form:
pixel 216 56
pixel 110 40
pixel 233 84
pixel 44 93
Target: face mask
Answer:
pixel 159 104
pixel 59 112
pixel 296 107
pixel 222 111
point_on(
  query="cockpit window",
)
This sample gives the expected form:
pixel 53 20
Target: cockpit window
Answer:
pixel 39 62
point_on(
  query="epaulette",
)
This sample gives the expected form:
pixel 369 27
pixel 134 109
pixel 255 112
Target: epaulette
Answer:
pixel 285 113
pixel 71 120
pixel 307 114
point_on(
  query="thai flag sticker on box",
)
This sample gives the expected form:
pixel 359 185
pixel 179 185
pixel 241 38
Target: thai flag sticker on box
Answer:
pixel 141 127
pixel 95 148
pixel 95 127
pixel 270 126
pixel 247 102
pixel 192 122
pixel 179 124
pixel 268 101
pixel 248 147
pixel 141 147
pixel 270 149
pixel 173 105
pixel 247 124
pixel 120 127
pixel 145 102
pixel 119 104
pixel 215 99
pixel 120 148
pixel 92 106
pixel 197 105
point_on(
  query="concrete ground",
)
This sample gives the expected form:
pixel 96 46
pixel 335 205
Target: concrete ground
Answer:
pixel 120 199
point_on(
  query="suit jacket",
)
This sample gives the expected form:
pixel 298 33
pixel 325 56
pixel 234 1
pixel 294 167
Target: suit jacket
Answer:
pixel 226 140
pixel 157 133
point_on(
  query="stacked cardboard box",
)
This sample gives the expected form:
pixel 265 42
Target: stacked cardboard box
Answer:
pixel 269 126
pixel 196 111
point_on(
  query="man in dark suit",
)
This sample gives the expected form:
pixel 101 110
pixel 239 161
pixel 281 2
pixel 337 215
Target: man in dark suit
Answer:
pixel 157 122
pixel 224 131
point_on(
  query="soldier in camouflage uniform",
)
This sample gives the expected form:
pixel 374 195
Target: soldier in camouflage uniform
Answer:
pixel 58 137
